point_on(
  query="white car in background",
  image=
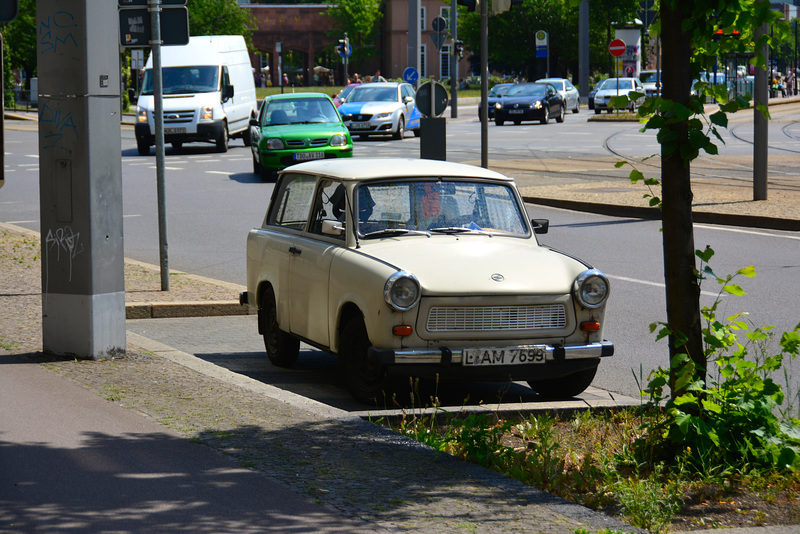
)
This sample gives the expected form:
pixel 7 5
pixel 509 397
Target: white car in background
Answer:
pixel 613 87
pixel 568 91
pixel 382 108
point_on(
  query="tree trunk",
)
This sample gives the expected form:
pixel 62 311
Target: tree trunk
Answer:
pixel 682 287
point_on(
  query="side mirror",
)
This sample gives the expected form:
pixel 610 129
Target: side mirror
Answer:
pixel 334 228
pixel 254 122
pixel 540 226
pixel 227 93
pixel 408 99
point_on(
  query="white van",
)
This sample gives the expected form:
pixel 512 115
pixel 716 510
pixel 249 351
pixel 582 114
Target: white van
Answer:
pixel 209 94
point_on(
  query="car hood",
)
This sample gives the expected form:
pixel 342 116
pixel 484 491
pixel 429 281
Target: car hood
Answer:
pixel 368 108
pixel 303 130
pixel 478 264
pixel 511 100
pixel 613 92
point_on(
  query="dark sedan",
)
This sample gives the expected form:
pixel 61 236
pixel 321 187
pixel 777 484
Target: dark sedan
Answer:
pixel 495 95
pixel 530 102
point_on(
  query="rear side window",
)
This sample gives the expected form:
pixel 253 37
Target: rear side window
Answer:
pixel 292 202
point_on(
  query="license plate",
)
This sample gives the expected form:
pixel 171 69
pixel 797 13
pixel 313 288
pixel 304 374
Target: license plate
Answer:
pixel 306 156
pixel 515 111
pixel 505 355
pixel 168 131
pixel 359 125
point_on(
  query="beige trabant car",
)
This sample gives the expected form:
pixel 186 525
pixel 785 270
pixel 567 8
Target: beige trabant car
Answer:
pixel 416 268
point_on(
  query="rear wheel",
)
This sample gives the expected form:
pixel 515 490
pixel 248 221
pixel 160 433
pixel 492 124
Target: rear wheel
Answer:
pixel 282 348
pixel 222 139
pixel 560 117
pixel 401 129
pixel 565 387
pixel 366 381
pixel 246 138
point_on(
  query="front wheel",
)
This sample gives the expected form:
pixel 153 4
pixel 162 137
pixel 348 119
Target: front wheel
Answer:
pixel 498 122
pixel 282 348
pixel 143 147
pixel 401 129
pixel 366 381
pixel 546 117
pixel 565 387
pixel 222 139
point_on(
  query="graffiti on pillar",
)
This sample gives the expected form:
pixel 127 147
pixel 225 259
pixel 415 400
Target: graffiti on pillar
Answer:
pixel 64 244
pixel 60 124
pixel 56 32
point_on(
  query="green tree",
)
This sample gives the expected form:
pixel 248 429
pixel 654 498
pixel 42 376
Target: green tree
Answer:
pixel 220 17
pixel 359 19
pixel 19 40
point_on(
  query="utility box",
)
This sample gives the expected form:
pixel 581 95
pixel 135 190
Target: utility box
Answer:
pixel 433 138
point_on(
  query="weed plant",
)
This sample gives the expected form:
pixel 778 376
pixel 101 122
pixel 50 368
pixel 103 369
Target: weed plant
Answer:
pixel 732 431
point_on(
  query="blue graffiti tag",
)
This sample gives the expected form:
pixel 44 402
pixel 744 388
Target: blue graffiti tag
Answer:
pixel 61 24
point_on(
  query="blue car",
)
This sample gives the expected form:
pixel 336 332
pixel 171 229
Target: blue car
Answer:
pixel 382 108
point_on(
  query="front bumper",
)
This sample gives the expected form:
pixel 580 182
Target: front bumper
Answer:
pixel 280 159
pixel 446 356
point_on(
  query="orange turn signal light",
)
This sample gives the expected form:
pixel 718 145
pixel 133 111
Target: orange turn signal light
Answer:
pixel 590 326
pixel 402 330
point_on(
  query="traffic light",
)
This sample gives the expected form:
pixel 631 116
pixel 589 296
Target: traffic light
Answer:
pixel 459 49
pixel 471 5
pixel 8 10
pixel 344 46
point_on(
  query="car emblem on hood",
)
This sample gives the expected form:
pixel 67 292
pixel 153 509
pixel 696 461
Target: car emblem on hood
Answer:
pixel 497 277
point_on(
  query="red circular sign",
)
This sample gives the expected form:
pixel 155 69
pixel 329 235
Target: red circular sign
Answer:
pixel 616 47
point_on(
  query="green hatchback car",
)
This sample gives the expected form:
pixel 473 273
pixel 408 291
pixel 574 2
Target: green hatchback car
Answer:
pixel 297 127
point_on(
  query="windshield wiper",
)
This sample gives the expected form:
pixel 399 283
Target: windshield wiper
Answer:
pixel 459 230
pixel 388 232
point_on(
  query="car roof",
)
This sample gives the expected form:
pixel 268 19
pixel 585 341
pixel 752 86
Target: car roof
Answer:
pixel 356 169
pixel 294 96
pixel 549 80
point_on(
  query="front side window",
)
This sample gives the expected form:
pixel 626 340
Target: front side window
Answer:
pixel 330 204
pixel 432 205
pixel 292 202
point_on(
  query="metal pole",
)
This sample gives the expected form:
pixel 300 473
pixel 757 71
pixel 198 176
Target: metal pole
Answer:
pixel 2 118
pixel 453 59
pixel 484 84
pixel 583 51
pixel 760 130
pixel 154 7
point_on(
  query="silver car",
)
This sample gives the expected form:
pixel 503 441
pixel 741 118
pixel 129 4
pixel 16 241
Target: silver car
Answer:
pixel 381 109
pixel 568 92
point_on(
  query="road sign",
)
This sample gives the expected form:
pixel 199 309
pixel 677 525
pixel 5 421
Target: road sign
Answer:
pixel 410 75
pixel 542 40
pixel 133 3
pixel 616 47
pixel 439 99
pixel 438 39
pixel 134 27
pixel 8 10
pixel 349 51
pixel 439 24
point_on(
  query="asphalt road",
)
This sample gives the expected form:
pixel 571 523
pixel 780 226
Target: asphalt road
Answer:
pixel 214 199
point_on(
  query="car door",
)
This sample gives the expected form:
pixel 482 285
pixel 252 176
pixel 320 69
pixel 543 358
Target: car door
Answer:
pixel 310 264
pixel 411 112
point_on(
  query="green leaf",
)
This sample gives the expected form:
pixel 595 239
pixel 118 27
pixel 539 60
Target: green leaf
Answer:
pixel 749 272
pixel 734 289
pixel 636 175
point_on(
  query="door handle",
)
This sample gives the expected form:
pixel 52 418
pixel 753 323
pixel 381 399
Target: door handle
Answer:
pixel 295 250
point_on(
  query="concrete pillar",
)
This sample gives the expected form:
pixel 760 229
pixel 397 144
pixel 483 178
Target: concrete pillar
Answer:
pixel 80 178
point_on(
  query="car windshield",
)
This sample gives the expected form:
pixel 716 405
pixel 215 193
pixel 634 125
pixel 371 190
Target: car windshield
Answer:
pixel 650 77
pixel 437 207
pixel 346 91
pixel 559 85
pixel 184 80
pixel 300 111
pixel 499 90
pixel 367 93
pixel 612 84
pixel 527 90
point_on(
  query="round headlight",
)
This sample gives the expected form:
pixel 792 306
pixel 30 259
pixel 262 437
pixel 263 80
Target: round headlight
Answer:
pixel 338 140
pixel 591 288
pixel 402 291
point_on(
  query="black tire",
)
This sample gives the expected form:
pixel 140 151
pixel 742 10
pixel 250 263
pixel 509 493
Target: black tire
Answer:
pixel 518 122
pixel 560 117
pixel 577 108
pixel 143 147
pixel 565 387
pixel 222 139
pixel 498 122
pixel 256 166
pixel 268 175
pixel 366 381
pixel 282 348
pixel 246 137
pixel 546 117
pixel 401 129
pixel 417 132
pixel 177 145
pixel 597 111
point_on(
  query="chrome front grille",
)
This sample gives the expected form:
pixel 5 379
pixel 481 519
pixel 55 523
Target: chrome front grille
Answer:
pixel 493 318
pixel 178 116
pixel 301 143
